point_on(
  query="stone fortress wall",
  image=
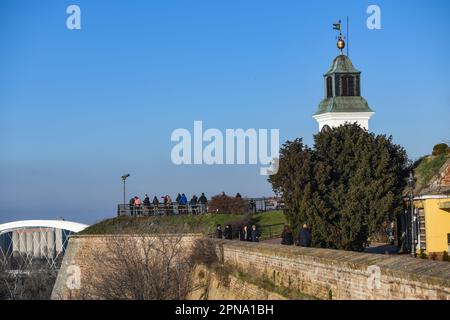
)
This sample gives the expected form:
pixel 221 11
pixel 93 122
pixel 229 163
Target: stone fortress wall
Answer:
pixel 319 273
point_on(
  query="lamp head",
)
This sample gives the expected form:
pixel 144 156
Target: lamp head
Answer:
pixel 411 182
pixel 125 176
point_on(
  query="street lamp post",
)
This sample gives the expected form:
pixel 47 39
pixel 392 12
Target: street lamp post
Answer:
pixel 411 184
pixel 124 178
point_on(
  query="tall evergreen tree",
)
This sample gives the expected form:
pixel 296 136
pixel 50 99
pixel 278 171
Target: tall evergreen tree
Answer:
pixel 344 188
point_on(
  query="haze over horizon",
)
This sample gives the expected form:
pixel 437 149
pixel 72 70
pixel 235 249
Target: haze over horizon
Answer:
pixel 79 108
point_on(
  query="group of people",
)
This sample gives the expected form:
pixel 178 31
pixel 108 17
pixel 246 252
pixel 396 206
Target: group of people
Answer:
pixel 252 234
pixel 181 205
pixel 304 236
pixel 246 233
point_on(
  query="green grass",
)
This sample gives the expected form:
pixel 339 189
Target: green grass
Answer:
pixel 427 168
pixel 271 217
pixel 183 223
pixel 204 224
pixel 265 219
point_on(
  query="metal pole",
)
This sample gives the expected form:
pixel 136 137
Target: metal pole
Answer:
pixel 411 196
pixel 124 195
pixel 348 41
pixel 413 247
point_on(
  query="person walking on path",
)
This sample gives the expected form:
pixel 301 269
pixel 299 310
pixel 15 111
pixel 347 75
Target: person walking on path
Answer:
pixel 255 234
pixel 304 236
pixel 219 233
pixel 228 232
pixel 244 234
pixel 287 237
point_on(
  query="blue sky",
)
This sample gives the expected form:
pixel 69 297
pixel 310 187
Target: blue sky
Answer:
pixel 78 108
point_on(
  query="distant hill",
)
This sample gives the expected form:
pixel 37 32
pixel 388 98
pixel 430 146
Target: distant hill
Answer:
pixel 433 174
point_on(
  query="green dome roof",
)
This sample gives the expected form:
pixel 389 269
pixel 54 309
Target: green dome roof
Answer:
pixel 339 96
pixel 342 64
pixel 343 104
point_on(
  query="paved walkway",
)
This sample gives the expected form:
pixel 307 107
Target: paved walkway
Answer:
pixel 377 248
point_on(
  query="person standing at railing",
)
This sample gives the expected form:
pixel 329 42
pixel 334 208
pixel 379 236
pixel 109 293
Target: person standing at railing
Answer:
pixel 131 204
pixel 287 238
pixel 178 202
pixel 137 204
pixel 167 204
pixel 155 203
pixel 183 203
pixel 146 203
pixel 203 203
pixel 193 204
pixel 183 200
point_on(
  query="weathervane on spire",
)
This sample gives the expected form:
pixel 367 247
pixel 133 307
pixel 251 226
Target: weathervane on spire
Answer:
pixel 341 43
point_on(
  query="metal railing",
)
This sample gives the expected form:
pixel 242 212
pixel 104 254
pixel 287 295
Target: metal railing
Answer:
pixel 255 205
pixel 271 231
pixel 160 209
pixel 267 232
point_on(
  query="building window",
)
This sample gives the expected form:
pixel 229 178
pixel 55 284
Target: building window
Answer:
pixel 422 236
pixel 448 241
pixel 326 128
pixel 329 87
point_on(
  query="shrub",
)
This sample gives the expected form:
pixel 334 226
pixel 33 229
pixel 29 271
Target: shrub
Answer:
pixel 204 252
pixel 441 148
pixel 422 254
pixel 445 256
pixel 228 205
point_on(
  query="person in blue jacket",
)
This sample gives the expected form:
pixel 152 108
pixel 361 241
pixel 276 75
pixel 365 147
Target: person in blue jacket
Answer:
pixel 183 200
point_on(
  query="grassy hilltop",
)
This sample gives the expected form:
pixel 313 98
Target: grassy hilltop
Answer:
pixel 205 224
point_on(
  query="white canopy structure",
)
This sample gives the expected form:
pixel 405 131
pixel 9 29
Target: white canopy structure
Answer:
pixel 36 239
pixel 57 224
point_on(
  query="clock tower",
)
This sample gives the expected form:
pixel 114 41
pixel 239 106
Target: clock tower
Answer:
pixel 343 102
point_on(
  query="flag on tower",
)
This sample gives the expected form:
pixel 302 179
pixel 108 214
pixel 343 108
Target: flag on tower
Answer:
pixel 337 26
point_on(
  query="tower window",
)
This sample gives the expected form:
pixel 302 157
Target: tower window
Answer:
pixel 357 87
pixel 347 86
pixel 344 89
pixel 351 86
pixel 329 87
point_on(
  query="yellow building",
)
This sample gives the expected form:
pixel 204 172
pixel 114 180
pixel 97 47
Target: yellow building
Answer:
pixel 432 205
